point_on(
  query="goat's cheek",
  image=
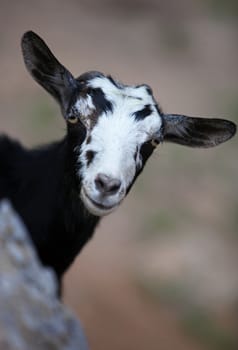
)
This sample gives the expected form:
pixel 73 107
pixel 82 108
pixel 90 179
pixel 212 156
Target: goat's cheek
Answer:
pixel 89 173
pixel 129 173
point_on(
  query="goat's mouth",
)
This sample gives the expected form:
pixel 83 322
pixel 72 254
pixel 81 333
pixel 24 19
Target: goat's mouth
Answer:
pixel 95 207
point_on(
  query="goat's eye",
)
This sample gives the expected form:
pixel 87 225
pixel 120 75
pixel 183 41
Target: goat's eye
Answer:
pixel 73 119
pixel 155 142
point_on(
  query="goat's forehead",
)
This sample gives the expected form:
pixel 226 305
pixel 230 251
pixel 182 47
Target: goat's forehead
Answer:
pixel 115 91
pixel 112 107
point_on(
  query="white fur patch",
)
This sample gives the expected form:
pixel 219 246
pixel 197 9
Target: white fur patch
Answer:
pixel 85 106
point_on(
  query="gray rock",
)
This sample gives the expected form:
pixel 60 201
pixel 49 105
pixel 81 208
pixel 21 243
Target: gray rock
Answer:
pixel 31 316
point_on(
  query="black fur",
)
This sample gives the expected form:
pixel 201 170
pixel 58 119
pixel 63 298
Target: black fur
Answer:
pixel 90 155
pixel 197 132
pixel 100 101
pixel 44 189
pixel 145 112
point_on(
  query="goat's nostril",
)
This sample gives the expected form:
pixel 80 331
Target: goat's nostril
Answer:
pixel 107 185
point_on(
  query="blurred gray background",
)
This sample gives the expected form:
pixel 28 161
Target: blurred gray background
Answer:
pixel 161 272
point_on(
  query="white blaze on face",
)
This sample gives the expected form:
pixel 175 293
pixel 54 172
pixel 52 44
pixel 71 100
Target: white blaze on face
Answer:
pixel 115 141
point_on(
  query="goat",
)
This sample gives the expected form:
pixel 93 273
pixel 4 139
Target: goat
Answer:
pixel 61 190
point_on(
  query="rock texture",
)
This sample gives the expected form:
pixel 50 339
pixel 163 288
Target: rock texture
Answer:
pixel 31 316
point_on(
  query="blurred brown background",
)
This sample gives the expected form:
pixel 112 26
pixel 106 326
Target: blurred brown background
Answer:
pixel 160 273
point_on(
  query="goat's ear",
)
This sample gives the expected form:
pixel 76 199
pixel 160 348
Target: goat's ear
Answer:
pixel 197 132
pixel 47 70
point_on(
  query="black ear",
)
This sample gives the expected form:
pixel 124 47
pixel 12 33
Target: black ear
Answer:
pixel 47 70
pixel 197 132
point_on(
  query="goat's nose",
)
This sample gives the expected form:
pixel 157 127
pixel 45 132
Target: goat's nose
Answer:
pixel 107 185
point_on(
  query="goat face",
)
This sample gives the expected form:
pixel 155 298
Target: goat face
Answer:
pixel 123 126
pixel 115 127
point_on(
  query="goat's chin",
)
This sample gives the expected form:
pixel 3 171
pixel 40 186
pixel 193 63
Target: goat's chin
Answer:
pixel 95 208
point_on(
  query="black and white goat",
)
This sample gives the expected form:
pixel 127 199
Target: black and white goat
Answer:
pixel 61 190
